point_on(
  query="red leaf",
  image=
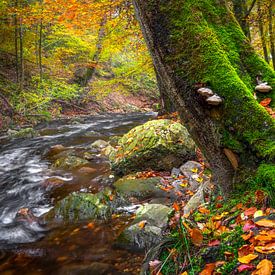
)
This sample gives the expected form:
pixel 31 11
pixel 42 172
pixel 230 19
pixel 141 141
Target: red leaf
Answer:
pixel 214 243
pixel 245 267
pixel 265 102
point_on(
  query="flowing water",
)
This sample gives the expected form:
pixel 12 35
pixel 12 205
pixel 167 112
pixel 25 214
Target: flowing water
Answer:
pixel 28 246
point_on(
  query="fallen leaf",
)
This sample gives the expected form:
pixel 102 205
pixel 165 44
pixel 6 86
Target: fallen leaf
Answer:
pixel 265 267
pixel 258 213
pixel 248 226
pixel 176 206
pixel 250 211
pixel 245 267
pixel 247 236
pixel 91 225
pixel 208 269
pixel 203 210
pixel 266 223
pixel 247 259
pixel 184 273
pixel 196 236
pixel 245 250
pixel 142 224
pixel 232 157
pixel 214 243
pixel 265 102
pixel 260 196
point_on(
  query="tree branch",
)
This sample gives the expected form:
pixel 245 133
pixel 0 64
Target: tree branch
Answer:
pixel 250 9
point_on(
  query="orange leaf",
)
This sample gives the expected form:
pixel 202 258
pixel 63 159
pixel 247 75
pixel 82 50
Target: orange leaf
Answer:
pixel 91 225
pixel 265 102
pixel 264 267
pixel 142 224
pixel 214 243
pixel 196 236
pixel 245 250
pixel 208 270
pixel 266 223
pixel 250 211
pixel 247 236
pixel 247 259
pixel 204 210
pixel 176 206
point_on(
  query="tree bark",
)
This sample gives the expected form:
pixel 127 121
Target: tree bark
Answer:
pixel 202 42
pixel 16 44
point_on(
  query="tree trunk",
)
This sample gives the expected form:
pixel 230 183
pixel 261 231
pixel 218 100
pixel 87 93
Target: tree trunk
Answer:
pixel 40 50
pixel 21 56
pixel 16 44
pixel 241 13
pixel 90 71
pixel 262 33
pixel 202 42
pixel 271 33
pixel 166 104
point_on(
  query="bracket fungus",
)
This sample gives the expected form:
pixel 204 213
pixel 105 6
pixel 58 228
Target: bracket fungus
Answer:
pixel 263 88
pixel 206 92
pixel 214 100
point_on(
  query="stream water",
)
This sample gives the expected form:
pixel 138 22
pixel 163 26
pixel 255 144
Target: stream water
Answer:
pixel 29 247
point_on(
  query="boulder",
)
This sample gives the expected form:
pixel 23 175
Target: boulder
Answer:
pixel 158 144
pixel 82 206
pixel 69 162
pixel 129 186
pixel 100 144
pixel 146 229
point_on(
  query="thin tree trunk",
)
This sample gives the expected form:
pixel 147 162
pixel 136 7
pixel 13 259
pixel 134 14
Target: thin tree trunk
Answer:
pixel 241 13
pixel 21 55
pixel 201 42
pixel 16 44
pixel 271 33
pixel 40 50
pixel 262 33
pixel 90 71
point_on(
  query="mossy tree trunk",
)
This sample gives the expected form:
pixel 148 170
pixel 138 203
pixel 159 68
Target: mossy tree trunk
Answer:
pixel 201 41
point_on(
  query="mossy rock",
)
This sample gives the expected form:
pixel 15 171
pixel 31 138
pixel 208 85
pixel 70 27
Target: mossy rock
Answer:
pixel 23 133
pixel 154 218
pixel 82 206
pixel 69 162
pixel 158 144
pixel 129 186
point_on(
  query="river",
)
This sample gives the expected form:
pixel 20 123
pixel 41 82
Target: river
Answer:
pixel 32 247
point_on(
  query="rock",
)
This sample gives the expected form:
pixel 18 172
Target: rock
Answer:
pixel 198 198
pixel 191 168
pixel 86 170
pixel 139 188
pixel 107 151
pixel 214 100
pixel 94 268
pixel 146 229
pixel 158 144
pixel 22 133
pixel 82 206
pixel 206 92
pixel 175 172
pixel 56 149
pixel 100 144
pixel 69 162
pixel 263 88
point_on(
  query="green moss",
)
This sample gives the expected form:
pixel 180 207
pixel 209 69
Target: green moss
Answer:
pixel 210 47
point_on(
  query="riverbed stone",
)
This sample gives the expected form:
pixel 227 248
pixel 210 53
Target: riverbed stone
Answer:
pixel 82 206
pixel 69 162
pixel 191 168
pixel 146 229
pixel 140 188
pixel 100 144
pixel 158 144
pixel 22 133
